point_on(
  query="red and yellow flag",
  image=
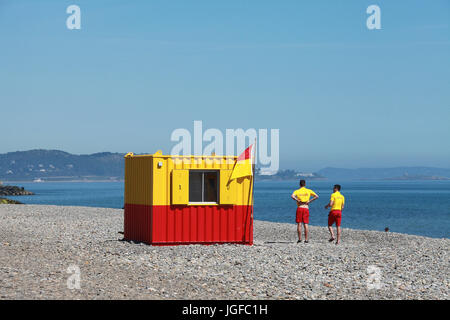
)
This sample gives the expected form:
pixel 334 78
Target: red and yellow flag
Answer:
pixel 243 165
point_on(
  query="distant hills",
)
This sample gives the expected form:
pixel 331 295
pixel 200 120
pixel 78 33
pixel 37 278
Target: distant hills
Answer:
pixel 58 165
pixel 289 175
pixel 399 173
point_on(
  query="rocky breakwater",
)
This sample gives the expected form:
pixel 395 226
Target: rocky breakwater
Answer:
pixel 14 191
pixel 8 201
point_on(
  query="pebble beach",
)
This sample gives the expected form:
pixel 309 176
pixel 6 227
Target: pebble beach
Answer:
pixel 42 245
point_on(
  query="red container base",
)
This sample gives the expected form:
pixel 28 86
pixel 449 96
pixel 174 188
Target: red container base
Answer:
pixel 184 225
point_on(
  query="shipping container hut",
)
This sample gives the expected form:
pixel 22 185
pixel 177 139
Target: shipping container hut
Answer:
pixel 172 200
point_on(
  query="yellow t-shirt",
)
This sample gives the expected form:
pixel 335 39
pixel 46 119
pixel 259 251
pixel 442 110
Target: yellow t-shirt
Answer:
pixel 304 194
pixel 338 201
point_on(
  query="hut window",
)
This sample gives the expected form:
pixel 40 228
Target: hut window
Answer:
pixel 203 186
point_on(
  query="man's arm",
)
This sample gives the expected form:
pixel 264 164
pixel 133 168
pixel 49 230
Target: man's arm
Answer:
pixel 293 196
pixel 299 202
pixel 315 197
pixel 330 204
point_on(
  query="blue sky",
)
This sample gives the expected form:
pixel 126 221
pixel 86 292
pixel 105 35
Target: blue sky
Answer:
pixel 341 95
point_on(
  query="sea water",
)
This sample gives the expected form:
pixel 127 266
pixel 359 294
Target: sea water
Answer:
pixel 413 207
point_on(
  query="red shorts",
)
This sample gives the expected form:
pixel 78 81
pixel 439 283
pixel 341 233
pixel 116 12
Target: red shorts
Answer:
pixel 335 216
pixel 302 215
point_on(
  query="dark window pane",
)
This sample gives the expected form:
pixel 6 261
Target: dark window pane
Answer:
pixel 210 186
pixel 195 186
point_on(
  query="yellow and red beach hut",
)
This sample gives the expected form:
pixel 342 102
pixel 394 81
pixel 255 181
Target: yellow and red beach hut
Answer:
pixel 172 200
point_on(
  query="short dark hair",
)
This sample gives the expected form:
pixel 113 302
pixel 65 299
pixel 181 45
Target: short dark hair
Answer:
pixel 302 183
pixel 337 186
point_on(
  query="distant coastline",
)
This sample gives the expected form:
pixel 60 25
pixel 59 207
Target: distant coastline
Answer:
pixel 59 166
pixel 257 179
pixel 68 181
pixel 418 178
pixel 61 180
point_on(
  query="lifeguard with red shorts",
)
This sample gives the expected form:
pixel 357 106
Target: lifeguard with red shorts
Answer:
pixel 337 201
pixel 303 198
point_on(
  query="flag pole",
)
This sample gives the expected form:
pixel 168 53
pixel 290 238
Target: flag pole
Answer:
pixel 253 175
pixel 253 189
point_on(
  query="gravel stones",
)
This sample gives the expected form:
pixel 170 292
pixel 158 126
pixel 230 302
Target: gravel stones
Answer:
pixel 39 243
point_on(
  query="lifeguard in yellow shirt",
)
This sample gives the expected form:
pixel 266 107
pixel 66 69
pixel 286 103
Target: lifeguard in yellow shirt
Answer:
pixel 336 204
pixel 303 198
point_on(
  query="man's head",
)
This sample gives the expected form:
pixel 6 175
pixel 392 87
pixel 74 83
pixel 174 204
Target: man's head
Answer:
pixel 337 187
pixel 302 183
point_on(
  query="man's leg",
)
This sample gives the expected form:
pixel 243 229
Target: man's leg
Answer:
pixel 338 227
pixel 305 225
pixel 299 231
pixel 338 230
pixel 330 226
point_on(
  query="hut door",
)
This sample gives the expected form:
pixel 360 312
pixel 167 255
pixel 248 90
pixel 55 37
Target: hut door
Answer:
pixel 180 186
